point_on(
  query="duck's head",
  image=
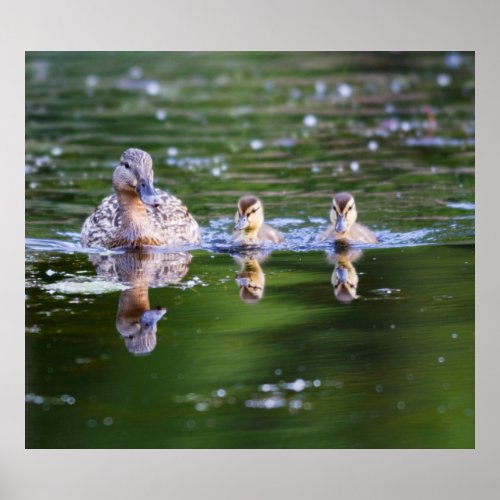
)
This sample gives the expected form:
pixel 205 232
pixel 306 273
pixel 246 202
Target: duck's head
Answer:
pixel 134 175
pixel 140 335
pixel 250 214
pixel 343 212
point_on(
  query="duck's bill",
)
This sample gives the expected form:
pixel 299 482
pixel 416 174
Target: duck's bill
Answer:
pixel 147 194
pixel 151 317
pixel 241 223
pixel 342 274
pixel 341 225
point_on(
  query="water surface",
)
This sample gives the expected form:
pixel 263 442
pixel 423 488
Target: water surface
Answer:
pixel 254 350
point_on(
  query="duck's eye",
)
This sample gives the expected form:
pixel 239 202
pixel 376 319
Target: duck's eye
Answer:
pixel 126 164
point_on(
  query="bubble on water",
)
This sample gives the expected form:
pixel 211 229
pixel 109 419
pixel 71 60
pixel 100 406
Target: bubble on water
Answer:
pixel 295 94
pixel 354 166
pixel 295 404
pixel 396 86
pixel 107 421
pixel 298 385
pixel 91 81
pixel 320 87
pixel 307 406
pixel 338 384
pixel 91 423
pixel 135 72
pixel 454 335
pixel 392 327
pixel 50 272
pixel 38 400
pixel 453 60
pixel 441 409
pixel 379 388
pixel 153 88
pixel 70 400
pixel 441 359
pixel 33 185
pixel 401 405
pixel 277 371
pixel 216 171
pixel 410 377
pixel 443 80
pixel 190 424
pixel 310 121
pixel 265 387
pixel 221 393
pixel 373 145
pixel 344 90
pixel 161 114
pixel 172 151
pixel 315 169
pixel 405 126
pixel 56 151
pixel 389 108
pixel 317 383
pixel 201 406
pixel 256 144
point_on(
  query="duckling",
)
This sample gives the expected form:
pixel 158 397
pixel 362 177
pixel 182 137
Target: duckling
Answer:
pixel 344 227
pixel 249 223
pixel 138 215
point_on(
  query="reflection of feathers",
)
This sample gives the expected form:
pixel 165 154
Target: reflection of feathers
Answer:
pixel 157 269
pixel 171 222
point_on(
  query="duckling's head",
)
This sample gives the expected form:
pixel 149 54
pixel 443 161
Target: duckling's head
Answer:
pixel 134 175
pixel 250 214
pixel 343 212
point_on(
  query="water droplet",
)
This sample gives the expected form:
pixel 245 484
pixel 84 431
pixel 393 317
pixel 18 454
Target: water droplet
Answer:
pixel 108 421
pixel 298 385
pixel 201 406
pixel 56 151
pixel 310 121
pixel 256 144
pixel 443 80
pixel 221 393
pixel 373 145
pixel 153 88
pixel 277 371
pixel 393 327
pixel 379 388
pixel 354 166
pixel 161 114
pixel 441 359
pixel 401 405
pixel 317 383
pixel 135 72
pixel 345 90
pixel 454 335
pixel 91 81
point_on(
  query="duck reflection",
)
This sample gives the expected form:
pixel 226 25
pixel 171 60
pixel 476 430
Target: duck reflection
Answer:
pixel 344 276
pixel 136 321
pixel 251 279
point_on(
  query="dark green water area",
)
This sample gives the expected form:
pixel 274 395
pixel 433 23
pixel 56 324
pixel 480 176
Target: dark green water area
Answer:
pixel 256 349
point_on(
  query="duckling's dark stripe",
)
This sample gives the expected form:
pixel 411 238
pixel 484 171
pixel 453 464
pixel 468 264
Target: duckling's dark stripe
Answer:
pixel 247 202
pixel 342 199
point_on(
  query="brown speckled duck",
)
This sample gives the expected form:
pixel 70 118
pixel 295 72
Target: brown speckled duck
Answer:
pixel 249 224
pixel 138 215
pixel 344 227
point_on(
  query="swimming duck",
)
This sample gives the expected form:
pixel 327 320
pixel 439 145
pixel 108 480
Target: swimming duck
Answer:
pixel 249 223
pixel 138 215
pixel 344 227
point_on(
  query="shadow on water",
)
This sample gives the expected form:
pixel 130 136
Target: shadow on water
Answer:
pixel 295 345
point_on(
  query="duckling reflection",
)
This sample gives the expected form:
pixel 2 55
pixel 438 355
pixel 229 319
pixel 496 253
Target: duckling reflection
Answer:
pixel 344 276
pixel 136 321
pixel 251 279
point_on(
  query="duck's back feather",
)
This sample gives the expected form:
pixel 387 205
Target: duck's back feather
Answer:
pixel 171 221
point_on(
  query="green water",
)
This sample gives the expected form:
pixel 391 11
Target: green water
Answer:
pixel 393 368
